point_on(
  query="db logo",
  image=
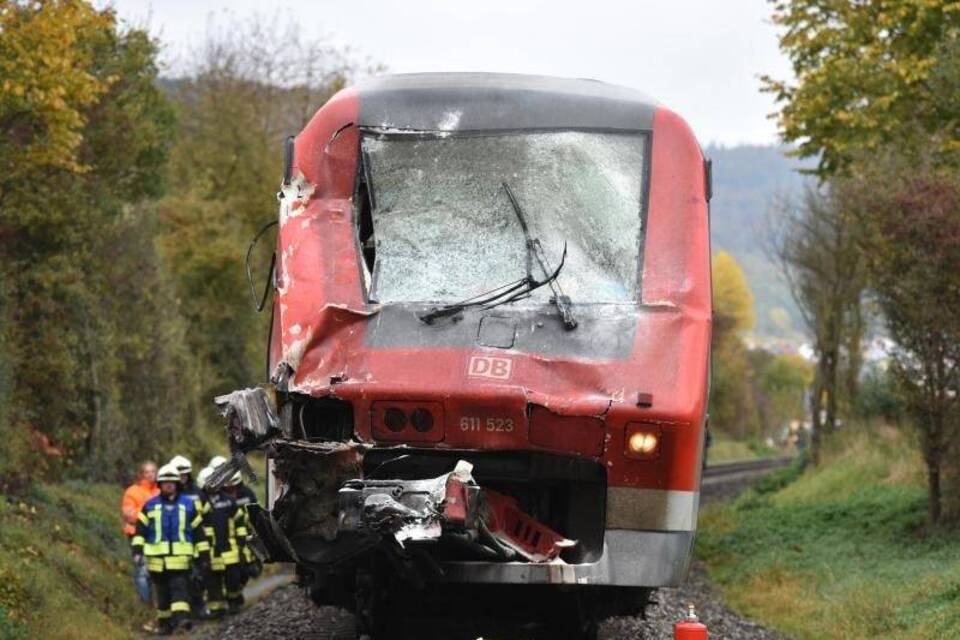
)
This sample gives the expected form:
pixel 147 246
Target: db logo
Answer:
pixel 489 367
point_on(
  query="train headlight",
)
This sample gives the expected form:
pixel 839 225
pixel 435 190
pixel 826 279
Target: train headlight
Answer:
pixel 643 441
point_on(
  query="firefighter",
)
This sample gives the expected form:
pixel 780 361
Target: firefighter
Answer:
pixel 215 605
pixel 244 497
pixel 133 500
pixel 168 536
pixel 227 523
pixel 197 576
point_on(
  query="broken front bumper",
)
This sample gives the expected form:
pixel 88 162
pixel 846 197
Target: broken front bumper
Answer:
pixel 629 559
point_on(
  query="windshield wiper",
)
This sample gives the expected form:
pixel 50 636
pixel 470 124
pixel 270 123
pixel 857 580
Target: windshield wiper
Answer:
pixel 535 249
pixel 510 292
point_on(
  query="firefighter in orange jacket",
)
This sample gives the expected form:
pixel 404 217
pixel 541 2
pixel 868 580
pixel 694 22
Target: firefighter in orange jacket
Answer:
pixel 169 534
pixel 133 500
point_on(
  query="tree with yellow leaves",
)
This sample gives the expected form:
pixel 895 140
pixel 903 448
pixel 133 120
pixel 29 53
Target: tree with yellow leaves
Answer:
pixel 731 403
pixel 46 85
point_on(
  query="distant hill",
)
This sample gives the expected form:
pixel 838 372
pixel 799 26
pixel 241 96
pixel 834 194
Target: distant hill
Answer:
pixel 747 180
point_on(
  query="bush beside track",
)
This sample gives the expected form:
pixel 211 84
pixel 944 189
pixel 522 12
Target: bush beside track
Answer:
pixel 65 566
pixel 843 551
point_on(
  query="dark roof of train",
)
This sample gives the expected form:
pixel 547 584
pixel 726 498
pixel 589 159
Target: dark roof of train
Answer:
pixel 499 101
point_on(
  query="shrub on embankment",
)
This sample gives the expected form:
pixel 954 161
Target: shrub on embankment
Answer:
pixel 844 551
pixel 64 565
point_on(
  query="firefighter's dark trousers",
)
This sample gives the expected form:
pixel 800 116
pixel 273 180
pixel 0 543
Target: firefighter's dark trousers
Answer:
pixel 196 581
pixel 171 590
pixel 225 588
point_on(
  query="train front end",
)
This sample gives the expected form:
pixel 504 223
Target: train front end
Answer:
pixel 489 355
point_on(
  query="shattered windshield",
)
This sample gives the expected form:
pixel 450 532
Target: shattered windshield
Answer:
pixel 444 228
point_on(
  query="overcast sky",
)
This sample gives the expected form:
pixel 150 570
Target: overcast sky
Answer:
pixel 700 57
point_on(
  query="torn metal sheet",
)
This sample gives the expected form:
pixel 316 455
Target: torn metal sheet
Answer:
pixel 513 528
pixel 414 510
pixel 484 520
pixel 251 416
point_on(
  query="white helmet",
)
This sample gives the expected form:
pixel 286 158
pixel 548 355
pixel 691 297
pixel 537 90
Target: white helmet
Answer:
pixel 181 463
pixel 203 476
pixel 216 461
pixel 168 473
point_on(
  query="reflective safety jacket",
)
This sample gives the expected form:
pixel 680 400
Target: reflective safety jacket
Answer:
pixel 245 498
pixel 170 533
pixel 225 524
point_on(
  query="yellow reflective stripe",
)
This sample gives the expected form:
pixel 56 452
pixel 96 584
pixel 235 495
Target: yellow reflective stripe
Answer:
pixel 217 564
pixel 164 613
pixel 157 515
pixel 182 549
pixel 180 606
pixel 142 517
pixel 202 546
pixel 137 541
pixel 216 605
pixel 158 549
pixel 197 521
pixel 177 562
pixel 242 532
pixel 230 557
pixel 182 523
pixel 154 565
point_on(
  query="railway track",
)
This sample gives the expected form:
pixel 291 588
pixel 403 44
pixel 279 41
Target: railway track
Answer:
pixel 720 472
pixel 728 479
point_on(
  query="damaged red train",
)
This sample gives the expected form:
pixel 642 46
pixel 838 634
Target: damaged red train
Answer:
pixel 489 353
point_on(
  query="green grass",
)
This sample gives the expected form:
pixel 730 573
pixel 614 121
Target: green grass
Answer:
pixel 64 565
pixel 843 551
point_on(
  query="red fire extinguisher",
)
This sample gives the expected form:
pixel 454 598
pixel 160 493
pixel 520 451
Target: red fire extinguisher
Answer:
pixel 690 628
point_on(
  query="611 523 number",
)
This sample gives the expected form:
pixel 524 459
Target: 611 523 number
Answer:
pixel 469 423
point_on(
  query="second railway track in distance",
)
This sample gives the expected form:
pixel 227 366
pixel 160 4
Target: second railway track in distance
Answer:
pixel 727 479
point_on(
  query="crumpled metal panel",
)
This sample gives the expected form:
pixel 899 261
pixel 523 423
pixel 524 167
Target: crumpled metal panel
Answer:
pixel 251 415
pixel 412 510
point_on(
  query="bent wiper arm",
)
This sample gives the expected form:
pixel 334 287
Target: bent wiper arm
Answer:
pixel 534 248
pixel 510 292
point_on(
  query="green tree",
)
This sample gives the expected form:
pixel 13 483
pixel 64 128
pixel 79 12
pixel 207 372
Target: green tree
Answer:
pixel 87 301
pixel 862 72
pixel 909 215
pixel 817 252
pixel 731 403
pixel 780 383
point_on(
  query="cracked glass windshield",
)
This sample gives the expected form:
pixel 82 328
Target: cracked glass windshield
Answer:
pixel 445 230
